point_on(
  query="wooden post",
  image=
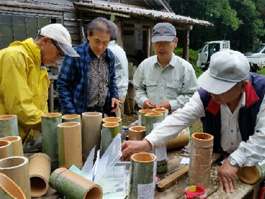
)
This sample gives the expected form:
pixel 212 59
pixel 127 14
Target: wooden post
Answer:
pixel 73 185
pixel 142 177
pixel 8 125
pixel 39 173
pixel 200 159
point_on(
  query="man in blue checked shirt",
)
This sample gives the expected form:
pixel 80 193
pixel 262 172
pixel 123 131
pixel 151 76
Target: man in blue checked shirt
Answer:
pixel 87 83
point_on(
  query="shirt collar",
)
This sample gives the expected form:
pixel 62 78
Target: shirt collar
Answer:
pixel 172 62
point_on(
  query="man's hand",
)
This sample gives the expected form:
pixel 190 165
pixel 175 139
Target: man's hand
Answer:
pixel 148 104
pixel 165 105
pixel 114 105
pixel 134 146
pixel 226 177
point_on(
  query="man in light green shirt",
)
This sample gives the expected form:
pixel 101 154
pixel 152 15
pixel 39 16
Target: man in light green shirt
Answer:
pixel 164 80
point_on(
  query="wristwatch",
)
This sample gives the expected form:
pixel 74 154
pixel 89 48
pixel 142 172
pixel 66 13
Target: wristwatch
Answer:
pixel 232 161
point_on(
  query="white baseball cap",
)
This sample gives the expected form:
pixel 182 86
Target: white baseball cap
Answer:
pixel 60 34
pixel 227 68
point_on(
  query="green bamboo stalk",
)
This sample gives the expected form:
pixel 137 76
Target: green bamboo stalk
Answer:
pixel 113 119
pixel 49 124
pixel 71 118
pixel 136 132
pixel 150 119
pixel 5 149
pixel 8 125
pixel 74 186
pixel 164 111
pixel 108 133
pixel 141 117
pixel 16 145
pixel 142 176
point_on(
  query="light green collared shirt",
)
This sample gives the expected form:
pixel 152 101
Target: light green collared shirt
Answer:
pixel 175 83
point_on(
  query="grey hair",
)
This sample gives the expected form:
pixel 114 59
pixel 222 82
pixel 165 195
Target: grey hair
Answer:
pixel 103 25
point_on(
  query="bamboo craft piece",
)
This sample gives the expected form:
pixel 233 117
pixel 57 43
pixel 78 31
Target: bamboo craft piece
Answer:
pixel 141 118
pixel 164 111
pixel 5 149
pixel 70 144
pixel 200 159
pixel 73 185
pixel 49 123
pixel 9 189
pixel 91 132
pixel 108 133
pixel 16 145
pixel 182 139
pixel 142 177
pixel 17 168
pixel 8 125
pixel 113 119
pixel 39 173
pixel 161 153
pixel 71 118
pixel 136 133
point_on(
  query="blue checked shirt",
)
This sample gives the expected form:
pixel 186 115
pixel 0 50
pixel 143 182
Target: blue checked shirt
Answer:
pixel 73 81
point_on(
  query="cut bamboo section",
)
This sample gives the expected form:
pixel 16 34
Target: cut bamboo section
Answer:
pixel 49 123
pixel 162 110
pixel 141 118
pixel 151 119
pixel 71 118
pixel 8 125
pixel 70 144
pixel 200 159
pixel 17 168
pixel 5 149
pixel 9 189
pixel 142 177
pixel 73 185
pixel 91 132
pixel 16 145
pixel 108 133
pixel 39 173
pixel 182 139
pixel 136 133
pixel 113 119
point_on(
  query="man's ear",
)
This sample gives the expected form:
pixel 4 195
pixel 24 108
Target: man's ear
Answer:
pixel 244 85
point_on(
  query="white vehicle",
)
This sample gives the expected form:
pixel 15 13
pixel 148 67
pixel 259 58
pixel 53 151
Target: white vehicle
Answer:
pixel 256 57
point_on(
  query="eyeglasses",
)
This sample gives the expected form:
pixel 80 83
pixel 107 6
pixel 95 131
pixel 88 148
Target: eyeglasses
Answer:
pixel 60 52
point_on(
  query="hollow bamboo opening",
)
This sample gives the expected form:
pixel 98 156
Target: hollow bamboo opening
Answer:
pixel 110 124
pixel 159 109
pixel 11 138
pixel 145 111
pixel 95 193
pixel 202 136
pixel 249 175
pixel 38 186
pixel 13 162
pixel 111 119
pixel 7 117
pixel 70 116
pixel 11 187
pixel 69 124
pixel 91 114
pixel 137 128
pixel 154 114
pixel 143 157
pixel 52 115
pixel 4 143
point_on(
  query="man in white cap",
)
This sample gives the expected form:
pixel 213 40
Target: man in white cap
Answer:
pixel 164 80
pixel 24 80
pixel 231 106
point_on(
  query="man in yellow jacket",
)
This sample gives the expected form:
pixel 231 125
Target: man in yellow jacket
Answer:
pixel 24 80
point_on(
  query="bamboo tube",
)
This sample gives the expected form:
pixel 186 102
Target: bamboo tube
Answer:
pixel 113 119
pixel 70 144
pixel 8 125
pixel 39 173
pixel 5 149
pixel 71 118
pixel 136 133
pixel 49 124
pixel 162 110
pixel 141 118
pixel 142 177
pixel 200 159
pixel 182 139
pixel 17 168
pixel 9 189
pixel 161 153
pixel 16 145
pixel 91 127
pixel 108 133
pixel 73 185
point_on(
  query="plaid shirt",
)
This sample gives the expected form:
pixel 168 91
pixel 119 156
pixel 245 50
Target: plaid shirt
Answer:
pixel 73 80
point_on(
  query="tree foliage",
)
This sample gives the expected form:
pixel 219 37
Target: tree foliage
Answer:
pixel 240 21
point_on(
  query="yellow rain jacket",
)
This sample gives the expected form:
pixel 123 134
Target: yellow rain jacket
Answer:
pixel 23 86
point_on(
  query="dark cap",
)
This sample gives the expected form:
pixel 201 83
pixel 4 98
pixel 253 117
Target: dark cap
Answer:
pixel 163 32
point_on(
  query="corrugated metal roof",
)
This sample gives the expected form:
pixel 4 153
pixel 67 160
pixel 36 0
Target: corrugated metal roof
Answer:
pixel 136 11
